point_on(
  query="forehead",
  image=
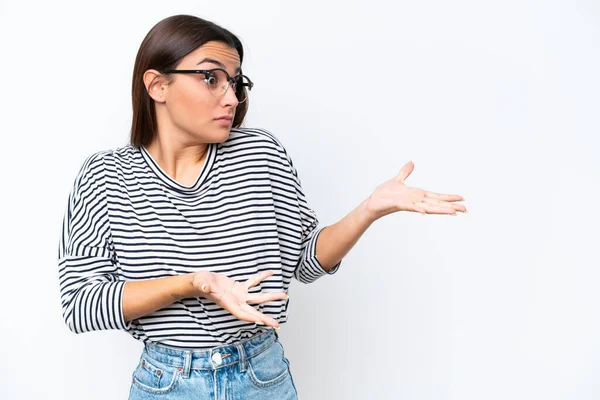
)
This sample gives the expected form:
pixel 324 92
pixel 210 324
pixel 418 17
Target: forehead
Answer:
pixel 211 54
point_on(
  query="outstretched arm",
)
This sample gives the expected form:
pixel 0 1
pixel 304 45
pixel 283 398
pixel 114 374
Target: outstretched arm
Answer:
pixel 336 240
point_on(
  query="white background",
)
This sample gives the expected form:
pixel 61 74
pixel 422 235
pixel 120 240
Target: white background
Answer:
pixel 496 101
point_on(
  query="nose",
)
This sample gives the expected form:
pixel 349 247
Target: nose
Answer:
pixel 229 98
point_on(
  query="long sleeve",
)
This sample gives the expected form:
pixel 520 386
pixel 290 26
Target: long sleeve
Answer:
pixel 90 284
pixel 309 269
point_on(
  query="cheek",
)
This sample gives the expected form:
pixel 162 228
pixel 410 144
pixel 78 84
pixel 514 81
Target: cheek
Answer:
pixel 193 107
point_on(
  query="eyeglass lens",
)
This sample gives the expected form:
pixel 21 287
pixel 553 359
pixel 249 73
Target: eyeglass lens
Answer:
pixel 218 84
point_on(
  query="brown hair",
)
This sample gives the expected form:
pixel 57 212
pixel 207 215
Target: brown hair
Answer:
pixel 163 47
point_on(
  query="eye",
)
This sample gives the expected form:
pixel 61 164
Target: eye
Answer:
pixel 235 83
pixel 212 80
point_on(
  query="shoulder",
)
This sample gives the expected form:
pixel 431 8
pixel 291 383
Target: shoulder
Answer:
pixel 93 170
pixel 257 135
pixel 107 161
pixel 279 159
pixel 92 166
pixel 262 142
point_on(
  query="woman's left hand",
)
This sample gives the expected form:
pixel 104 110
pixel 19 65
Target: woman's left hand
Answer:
pixel 394 195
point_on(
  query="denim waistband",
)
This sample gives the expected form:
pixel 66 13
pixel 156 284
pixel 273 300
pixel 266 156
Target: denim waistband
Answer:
pixel 213 358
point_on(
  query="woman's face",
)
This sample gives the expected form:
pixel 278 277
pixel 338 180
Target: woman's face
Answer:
pixel 191 106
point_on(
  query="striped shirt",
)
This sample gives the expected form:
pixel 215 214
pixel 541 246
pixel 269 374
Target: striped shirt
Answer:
pixel 126 219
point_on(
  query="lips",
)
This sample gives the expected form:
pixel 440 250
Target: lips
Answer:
pixel 225 117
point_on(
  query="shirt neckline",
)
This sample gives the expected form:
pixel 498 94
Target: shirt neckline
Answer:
pixel 172 183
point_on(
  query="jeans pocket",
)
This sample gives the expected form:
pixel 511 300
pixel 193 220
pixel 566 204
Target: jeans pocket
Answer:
pixel 155 377
pixel 269 367
pixel 287 362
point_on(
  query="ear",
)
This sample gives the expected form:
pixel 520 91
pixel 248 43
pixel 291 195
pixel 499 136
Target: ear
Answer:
pixel 156 85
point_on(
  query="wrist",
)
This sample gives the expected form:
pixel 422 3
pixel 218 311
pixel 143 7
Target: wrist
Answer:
pixel 196 281
pixel 366 215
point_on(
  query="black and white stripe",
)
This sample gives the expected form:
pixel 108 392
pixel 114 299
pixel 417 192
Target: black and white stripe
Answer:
pixel 126 219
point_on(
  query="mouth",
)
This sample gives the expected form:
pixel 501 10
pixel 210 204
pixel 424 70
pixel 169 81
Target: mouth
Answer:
pixel 224 120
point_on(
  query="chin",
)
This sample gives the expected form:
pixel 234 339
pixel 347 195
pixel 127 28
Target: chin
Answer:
pixel 210 134
pixel 222 135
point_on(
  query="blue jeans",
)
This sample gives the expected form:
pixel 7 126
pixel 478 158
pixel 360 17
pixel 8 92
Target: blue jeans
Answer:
pixel 254 368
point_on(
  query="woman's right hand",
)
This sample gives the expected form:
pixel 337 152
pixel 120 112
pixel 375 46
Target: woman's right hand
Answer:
pixel 233 296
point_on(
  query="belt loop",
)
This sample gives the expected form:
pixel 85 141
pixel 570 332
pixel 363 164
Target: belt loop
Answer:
pixel 187 364
pixel 243 361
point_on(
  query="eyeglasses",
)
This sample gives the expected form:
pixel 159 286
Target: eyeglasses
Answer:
pixel 218 81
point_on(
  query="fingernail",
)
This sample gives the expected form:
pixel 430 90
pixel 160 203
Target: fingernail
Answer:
pixel 466 212
pixel 277 327
pixel 259 323
pixel 286 297
pixel 203 288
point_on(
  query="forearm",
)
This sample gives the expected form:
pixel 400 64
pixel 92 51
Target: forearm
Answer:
pixel 146 296
pixel 335 241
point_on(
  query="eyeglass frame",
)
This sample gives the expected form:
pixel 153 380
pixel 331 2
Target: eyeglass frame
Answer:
pixel 207 72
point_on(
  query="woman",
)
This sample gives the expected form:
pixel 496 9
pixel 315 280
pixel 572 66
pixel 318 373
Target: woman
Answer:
pixel 188 238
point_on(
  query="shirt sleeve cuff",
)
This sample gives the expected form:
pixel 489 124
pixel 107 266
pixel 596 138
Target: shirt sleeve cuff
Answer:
pixel 316 266
pixel 118 307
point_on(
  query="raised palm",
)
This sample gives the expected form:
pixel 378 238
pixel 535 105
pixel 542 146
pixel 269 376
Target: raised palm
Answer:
pixel 394 195
pixel 233 296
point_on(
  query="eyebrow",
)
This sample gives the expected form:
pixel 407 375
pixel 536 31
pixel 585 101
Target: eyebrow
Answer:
pixel 219 63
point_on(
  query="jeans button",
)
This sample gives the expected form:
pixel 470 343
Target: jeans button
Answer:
pixel 216 357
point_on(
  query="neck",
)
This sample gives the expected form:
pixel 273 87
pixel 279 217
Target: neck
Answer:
pixel 177 153
pixel 177 159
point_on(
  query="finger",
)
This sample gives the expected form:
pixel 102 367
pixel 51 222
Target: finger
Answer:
pixel 405 171
pixel 256 279
pixel 451 207
pixel 438 208
pixel 420 206
pixel 459 207
pixel 444 197
pixel 259 298
pixel 240 311
pixel 205 288
pixel 260 317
